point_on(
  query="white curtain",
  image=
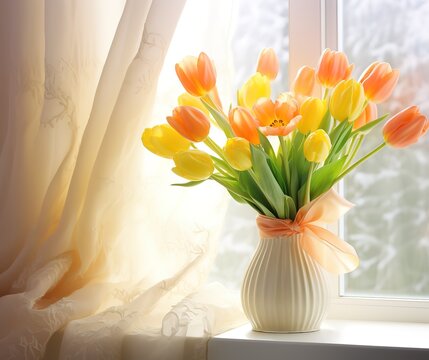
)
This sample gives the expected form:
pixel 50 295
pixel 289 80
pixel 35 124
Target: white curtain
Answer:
pixel 99 257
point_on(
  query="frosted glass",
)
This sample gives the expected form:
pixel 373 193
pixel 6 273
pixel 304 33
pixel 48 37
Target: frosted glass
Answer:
pixel 256 24
pixel 389 227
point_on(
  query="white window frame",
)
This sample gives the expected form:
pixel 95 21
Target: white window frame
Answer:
pixel 313 26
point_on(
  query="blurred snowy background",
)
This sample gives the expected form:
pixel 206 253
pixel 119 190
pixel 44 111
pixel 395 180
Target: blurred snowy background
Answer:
pixel 389 226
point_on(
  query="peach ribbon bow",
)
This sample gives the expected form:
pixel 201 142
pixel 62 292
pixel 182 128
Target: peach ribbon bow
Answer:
pixel 334 254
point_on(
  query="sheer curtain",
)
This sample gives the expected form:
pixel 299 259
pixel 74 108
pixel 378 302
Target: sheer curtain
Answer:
pixel 99 257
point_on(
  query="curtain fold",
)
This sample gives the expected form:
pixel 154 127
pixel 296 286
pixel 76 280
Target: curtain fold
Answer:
pixel 88 267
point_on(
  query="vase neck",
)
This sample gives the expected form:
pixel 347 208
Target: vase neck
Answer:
pixel 293 237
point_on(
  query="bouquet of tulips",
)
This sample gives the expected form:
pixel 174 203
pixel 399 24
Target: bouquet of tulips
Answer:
pixel 280 154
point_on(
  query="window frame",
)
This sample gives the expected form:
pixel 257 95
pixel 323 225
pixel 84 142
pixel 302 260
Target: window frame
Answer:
pixel 313 26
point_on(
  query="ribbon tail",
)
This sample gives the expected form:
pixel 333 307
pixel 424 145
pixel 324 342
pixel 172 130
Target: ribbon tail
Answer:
pixel 331 252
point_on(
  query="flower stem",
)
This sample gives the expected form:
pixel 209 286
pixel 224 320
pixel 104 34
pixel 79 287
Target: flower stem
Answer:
pixel 308 183
pixel 354 149
pixel 360 161
pixel 215 148
pixel 326 93
pixel 285 161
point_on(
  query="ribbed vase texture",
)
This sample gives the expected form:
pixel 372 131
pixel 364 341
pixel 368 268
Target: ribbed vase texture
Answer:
pixel 284 289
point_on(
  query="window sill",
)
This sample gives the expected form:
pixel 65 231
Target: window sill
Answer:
pixel 337 339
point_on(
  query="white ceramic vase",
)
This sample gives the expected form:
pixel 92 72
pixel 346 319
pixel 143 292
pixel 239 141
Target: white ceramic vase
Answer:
pixel 284 289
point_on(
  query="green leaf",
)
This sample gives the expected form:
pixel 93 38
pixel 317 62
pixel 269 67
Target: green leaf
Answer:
pixel 236 197
pixel 326 122
pixel 189 184
pixel 277 172
pixel 234 188
pixel 294 184
pixel 219 163
pixel 268 148
pixel 341 140
pixel 264 210
pixel 267 181
pixel 291 206
pixel 336 132
pixel 324 177
pixel 252 189
pixel 220 119
pixel 298 164
pixel 297 142
pixel 368 127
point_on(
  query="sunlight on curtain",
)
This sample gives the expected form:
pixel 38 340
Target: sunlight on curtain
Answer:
pixel 101 258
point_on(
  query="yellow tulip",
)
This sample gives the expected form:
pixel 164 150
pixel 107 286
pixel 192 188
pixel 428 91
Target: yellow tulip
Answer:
pixel 237 153
pixel 312 111
pixel 258 86
pixel 164 141
pixel 193 165
pixel 317 146
pixel 188 100
pixel 347 100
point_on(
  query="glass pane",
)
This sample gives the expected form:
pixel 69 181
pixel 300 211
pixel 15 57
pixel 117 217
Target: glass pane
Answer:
pixel 389 226
pixel 256 24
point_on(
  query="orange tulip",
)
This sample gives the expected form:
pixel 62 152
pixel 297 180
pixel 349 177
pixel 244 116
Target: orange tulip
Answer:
pixel 265 111
pixel 378 81
pixel 405 128
pixel 281 130
pixel 369 114
pixel 197 75
pixel 244 124
pixel 304 82
pixel 268 63
pixel 275 116
pixel 333 67
pixel 190 122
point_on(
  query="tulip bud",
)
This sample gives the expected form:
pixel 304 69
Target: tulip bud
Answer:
pixel 268 63
pixel 378 81
pixel 186 99
pixel 305 81
pixel 244 124
pixel 317 146
pixel 164 141
pixel 237 153
pixel 194 165
pixel 312 111
pixel 333 67
pixel 347 100
pixel 405 128
pixel 197 75
pixel 190 122
pixel 368 115
pixel 258 86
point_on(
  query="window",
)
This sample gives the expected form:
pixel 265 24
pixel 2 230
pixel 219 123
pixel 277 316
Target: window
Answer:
pixel 388 227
